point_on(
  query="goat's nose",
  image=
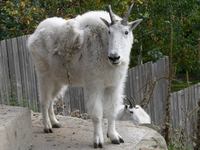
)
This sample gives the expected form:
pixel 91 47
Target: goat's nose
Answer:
pixel 114 57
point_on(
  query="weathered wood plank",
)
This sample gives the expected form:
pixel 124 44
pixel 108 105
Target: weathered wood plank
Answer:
pixel 11 65
pixel 172 110
pixel 6 79
pixel 2 99
pixel 17 71
pixel 23 70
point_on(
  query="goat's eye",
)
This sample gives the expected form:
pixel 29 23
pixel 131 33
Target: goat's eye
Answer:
pixel 126 32
pixel 131 112
pixel 108 32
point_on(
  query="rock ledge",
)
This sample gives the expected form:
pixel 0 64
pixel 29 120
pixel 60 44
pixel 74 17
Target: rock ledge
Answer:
pixel 15 128
pixel 77 134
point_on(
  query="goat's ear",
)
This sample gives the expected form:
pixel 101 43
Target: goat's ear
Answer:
pixel 134 24
pixel 105 22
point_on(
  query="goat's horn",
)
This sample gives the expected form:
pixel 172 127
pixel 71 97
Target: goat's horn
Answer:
pixel 125 18
pixel 131 104
pixel 112 16
pixel 133 101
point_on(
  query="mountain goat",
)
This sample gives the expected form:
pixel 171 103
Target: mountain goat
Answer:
pixel 134 113
pixel 92 51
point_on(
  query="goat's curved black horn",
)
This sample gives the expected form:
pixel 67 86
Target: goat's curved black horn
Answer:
pixel 133 101
pixel 131 104
pixel 125 18
pixel 112 16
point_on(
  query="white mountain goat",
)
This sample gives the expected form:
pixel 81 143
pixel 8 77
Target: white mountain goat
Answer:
pixel 134 113
pixel 92 51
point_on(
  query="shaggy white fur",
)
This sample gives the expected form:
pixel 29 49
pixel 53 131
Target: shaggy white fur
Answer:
pixel 92 51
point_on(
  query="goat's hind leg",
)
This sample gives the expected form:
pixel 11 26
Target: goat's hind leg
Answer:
pixel 55 123
pixel 58 91
pixel 45 100
pixel 45 104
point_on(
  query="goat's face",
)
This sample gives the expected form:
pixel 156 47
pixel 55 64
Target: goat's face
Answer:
pixel 137 114
pixel 120 38
pixel 119 43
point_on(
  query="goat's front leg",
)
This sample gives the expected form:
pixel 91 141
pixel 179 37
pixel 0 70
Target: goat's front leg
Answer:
pixel 112 100
pixel 112 133
pixel 94 108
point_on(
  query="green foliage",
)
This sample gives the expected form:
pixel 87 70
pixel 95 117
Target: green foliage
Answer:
pixel 154 34
pixel 172 23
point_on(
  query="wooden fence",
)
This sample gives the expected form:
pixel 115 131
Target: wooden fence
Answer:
pixel 146 83
pixel 184 106
pixel 18 84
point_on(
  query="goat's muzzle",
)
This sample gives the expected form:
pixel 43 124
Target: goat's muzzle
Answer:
pixel 114 59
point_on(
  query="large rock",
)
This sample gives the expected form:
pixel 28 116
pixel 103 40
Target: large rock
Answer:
pixel 15 128
pixel 77 134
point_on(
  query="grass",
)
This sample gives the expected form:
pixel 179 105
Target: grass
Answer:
pixel 22 103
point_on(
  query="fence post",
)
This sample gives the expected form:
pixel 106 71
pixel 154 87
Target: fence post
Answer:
pixel 167 120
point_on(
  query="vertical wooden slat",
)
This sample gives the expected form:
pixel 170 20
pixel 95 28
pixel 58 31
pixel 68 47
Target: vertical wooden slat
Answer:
pixel 67 105
pixel 2 99
pixel 140 77
pixel 176 109
pixel 188 92
pixel 172 111
pixel 151 79
pixel 6 79
pixel 28 81
pixel 11 64
pixel 17 71
pixel 156 94
pixel 144 81
pixel 131 84
pixel 82 100
pixel 128 84
pixel 23 70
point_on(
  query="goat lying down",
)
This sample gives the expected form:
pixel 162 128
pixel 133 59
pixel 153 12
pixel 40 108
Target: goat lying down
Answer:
pixel 135 114
pixel 92 51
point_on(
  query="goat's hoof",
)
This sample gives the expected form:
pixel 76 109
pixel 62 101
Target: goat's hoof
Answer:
pixel 95 145
pixel 100 145
pixel 57 125
pixel 121 140
pixel 115 141
pixel 48 130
